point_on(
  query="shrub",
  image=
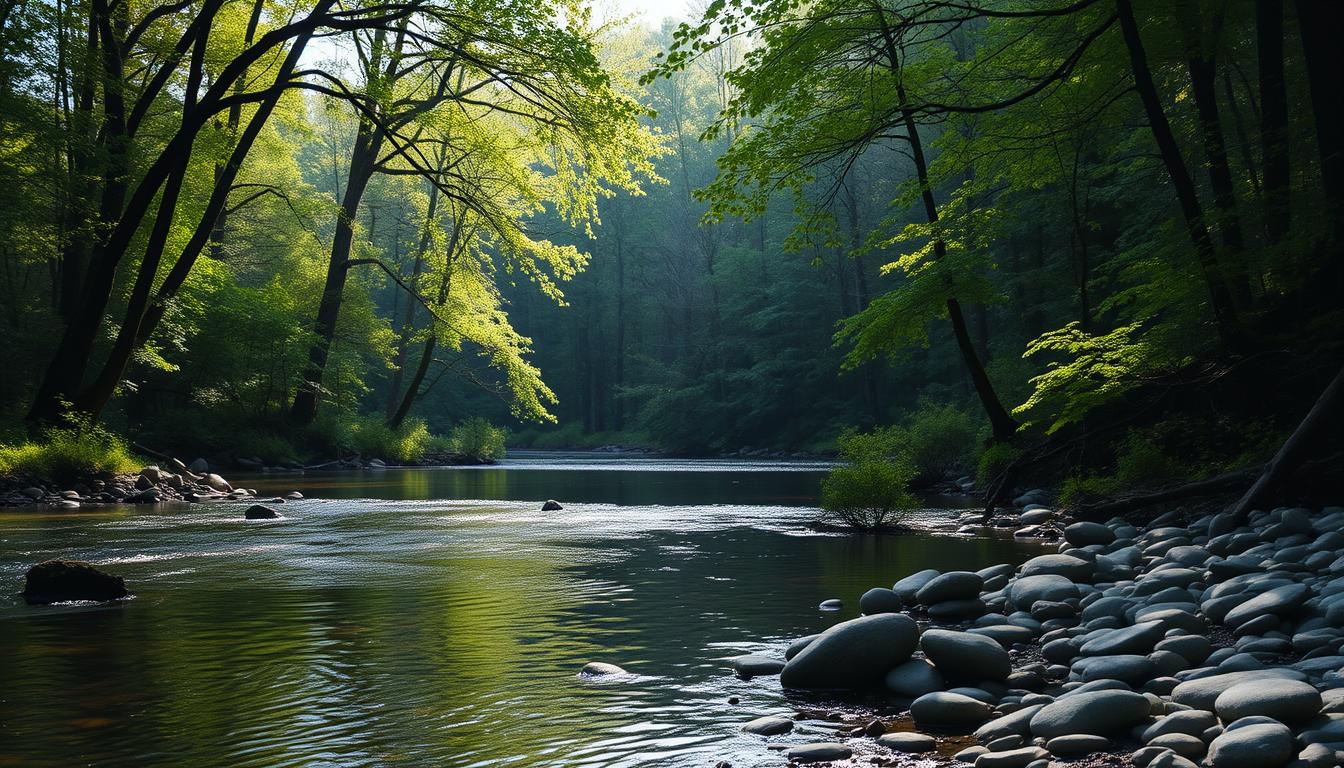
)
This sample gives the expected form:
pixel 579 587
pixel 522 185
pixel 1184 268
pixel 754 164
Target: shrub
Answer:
pixel 68 454
pixel 370 437
pixel 869 493
pixel 478 439
pixel 942 440
pixel 1139 462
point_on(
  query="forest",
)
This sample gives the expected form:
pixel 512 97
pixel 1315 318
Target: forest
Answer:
pixel 1095 244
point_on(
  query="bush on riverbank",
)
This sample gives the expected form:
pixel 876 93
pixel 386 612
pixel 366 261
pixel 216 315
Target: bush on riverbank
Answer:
pixel 475 439
pixel 68 454
pixel 371 437
pixel 870 491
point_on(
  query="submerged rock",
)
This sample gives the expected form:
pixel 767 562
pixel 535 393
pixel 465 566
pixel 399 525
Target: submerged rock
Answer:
pixel 260 512
pixel 601 669
pixel 59 581
pixel 551 505
pixel 771 725
pixel 823 752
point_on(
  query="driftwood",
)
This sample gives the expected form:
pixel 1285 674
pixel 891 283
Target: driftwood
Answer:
pixel 1315 424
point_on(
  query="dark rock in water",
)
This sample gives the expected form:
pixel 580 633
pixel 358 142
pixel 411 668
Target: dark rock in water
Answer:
pixel 600 669
pixel 58 581
pixel 551 505
pixel 260 512
pixel 833 604
pixel 853 654
pixel 797 646
pixel 879 600
pixel 752 665
pixel 823 752
pixel 770 725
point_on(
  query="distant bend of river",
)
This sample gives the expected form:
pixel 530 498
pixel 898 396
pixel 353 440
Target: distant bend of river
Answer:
pixel 436 617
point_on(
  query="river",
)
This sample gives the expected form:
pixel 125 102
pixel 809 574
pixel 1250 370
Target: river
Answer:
pixel 436 617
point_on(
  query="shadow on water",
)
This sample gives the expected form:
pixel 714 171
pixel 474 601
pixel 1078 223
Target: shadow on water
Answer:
pixel 444 633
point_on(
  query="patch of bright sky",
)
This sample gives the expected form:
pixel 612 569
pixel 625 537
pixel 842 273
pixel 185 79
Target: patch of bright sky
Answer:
pixel 648 12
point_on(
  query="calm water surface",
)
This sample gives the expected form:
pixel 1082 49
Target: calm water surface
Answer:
pixel 436 618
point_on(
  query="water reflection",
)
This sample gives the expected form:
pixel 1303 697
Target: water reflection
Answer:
pixel 423 633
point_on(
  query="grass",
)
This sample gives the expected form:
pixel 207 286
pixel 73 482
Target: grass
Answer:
pixel 67 455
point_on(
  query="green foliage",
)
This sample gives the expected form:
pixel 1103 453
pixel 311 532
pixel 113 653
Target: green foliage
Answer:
pixel 941 439
pixel 370 438
pixel 869 491
pixel 68 454
pixel 993 460
pixel 1140 462
pixel 476 439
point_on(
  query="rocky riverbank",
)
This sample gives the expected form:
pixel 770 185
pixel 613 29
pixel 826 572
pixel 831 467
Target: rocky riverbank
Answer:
pixel 174 481
pixel 1212 642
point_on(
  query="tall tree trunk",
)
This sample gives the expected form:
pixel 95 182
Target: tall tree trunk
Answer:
pixel 1201 50
pixel 368 142
pixel 1220 297
pixel 1319 20
pixel 1002 426
pixel 79 158
pixel 1274 138
pixel 427 353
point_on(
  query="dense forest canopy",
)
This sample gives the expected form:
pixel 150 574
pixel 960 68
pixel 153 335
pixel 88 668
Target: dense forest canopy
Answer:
pixel 1102 236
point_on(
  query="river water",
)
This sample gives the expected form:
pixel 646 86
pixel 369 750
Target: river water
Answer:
pixel 435 617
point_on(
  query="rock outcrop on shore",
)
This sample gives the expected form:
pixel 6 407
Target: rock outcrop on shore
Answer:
pixel 152 485
pixel 1182 644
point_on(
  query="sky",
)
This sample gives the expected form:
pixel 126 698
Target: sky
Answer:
pixel 651 12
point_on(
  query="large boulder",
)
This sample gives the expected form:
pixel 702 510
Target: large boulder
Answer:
pixel 1288 701
pixel 964 656
pixel 1098 713
pixel 1256 745
pixel 59 581
pixel 853 654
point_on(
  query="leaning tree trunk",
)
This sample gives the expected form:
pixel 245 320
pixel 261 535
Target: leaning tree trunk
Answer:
pixel 1002 426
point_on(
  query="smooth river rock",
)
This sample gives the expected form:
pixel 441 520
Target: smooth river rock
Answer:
pixel 879 600
pixel 1288 701
pixel 818 753
pixel 964 656
pixel 1260 745
pixel 770 725
pixel 853 654
pixel 904 741
pixel 752 665
pixel 956 585
pixel 913 679
pixel 943 709
pixel 1098 713
pixel 1201 693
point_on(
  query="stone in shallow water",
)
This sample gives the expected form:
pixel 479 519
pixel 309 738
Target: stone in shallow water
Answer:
pixel 833 604
pixel 908 742
pixel 955 585
pixel 551 505
pixel 752 665
pixel 601 669
pixel 59 581
pixel 879 600
pixel 853 654
pixel 1288 701
pixel 818 753
pixel 771 725
pixel 260 512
